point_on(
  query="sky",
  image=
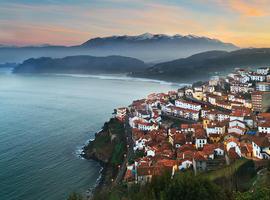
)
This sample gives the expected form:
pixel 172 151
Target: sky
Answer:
pixel 245 23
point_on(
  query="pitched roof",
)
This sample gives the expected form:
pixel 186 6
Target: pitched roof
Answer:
pixel 199 156
pixel 232 153
pixel 261 141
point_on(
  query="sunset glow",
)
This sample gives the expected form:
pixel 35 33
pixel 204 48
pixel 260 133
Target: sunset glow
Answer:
pixel 65 22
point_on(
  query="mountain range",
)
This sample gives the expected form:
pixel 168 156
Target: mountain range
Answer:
pixel 147 47
pixel 198 66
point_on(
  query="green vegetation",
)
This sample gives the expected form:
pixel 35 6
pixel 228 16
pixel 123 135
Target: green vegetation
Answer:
pixel 227 171
pixel 109 145
pixel 260 193
pixel 118 154
pixel 100 142
pixel 183 186
pixel 75 196
pixel 136 155
pixel 239 176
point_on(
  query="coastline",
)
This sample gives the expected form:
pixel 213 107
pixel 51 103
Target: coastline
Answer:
pixel 101 150
pixel 101 179
pixel 120 77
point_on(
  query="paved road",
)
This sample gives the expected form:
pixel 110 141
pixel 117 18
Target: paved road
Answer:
pixel 130 152
pixel 190 121
pixel 208 104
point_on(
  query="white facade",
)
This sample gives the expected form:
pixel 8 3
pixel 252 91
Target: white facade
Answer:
pixel 215 130
pixel 260 152
pixel 237 130
pixel 147 126
pixel 237 123
pixel 234 145
pixel 244 79
pixel 263 70
pixel 263 86
pixel 219 152
pixel 264 129
pixel 239 88
pixel 257 77
pixel 185 165
pixel 188 105
pixel 200 142
pixel 221 117
pixel 212 100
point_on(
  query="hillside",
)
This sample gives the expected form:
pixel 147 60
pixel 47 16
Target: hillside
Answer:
pixel 81 65
pixel 206 64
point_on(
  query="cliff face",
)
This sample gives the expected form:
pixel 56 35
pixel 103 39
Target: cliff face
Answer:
pixel 99 149
pixel 108 148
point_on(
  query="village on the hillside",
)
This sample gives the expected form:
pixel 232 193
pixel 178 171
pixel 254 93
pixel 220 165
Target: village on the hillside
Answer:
pixel 202 127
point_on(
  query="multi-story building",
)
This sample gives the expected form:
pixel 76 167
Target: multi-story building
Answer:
pixel 263 86
pixel 239 88
pixel 264 127
pixel 263 70
pixel 257 77
pixel 260 101
pixel 187 105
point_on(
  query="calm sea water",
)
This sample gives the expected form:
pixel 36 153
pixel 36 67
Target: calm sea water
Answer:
pixel 44 122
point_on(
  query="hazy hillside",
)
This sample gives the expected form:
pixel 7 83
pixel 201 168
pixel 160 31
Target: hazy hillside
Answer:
pixel 147 47
pixel 81 65
pixel 208 63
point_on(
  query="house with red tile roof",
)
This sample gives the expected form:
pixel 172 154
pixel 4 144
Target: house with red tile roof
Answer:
pixel 215 128
pixel 261 147
pixel 200 138
pixel 121 113
pixel 264 127
pixel 187 105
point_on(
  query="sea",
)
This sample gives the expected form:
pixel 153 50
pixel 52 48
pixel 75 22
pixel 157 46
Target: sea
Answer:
pixel 45 120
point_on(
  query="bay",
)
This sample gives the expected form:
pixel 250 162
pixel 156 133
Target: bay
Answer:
pixel 44 122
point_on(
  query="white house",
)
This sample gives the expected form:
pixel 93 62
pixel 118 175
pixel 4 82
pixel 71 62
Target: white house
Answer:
pixel 234 117
pixel 237 123
pixel 236 126
pixel 200 139
pixel 264 127
pixel 222 116
pixel 187 105
pixel 185 164
pixel 233 144
pixel 146 126
pixel 215 128
pixel 239 88
pixel 257 77
pixel 263 86
pixel 260 147
pixel 244 79
pixel 263 70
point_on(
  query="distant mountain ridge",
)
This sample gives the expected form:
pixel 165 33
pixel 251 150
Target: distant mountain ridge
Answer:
pixel 150 38
pixel 198 66
pixel 81 65
pixel 205 64
pixel 147 47
pixel 151 47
